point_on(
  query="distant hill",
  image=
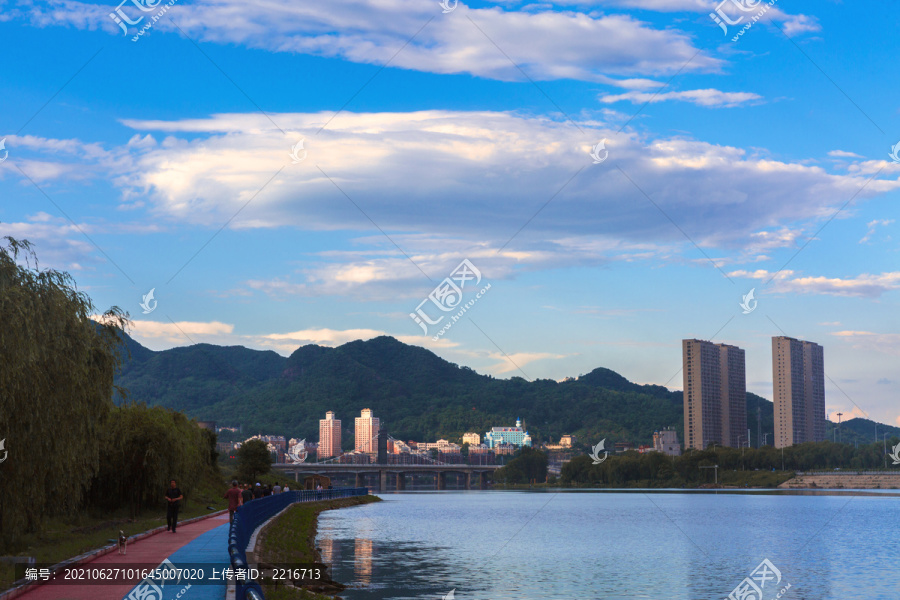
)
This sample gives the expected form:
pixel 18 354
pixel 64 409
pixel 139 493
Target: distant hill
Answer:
pixel 416 394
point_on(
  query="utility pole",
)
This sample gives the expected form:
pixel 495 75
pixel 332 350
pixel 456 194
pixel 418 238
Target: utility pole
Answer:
pixel 758 426
pixel 884 441
pixel 839 426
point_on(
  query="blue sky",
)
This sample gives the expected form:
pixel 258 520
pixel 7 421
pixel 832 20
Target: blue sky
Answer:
pixel 431 137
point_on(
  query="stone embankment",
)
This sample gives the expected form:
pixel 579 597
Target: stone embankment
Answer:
pixel 847 480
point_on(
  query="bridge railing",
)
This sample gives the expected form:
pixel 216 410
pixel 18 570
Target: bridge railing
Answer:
pixel 250 516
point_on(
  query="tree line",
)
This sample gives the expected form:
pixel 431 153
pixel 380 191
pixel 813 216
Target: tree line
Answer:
pixel 657 469
pixel 68 447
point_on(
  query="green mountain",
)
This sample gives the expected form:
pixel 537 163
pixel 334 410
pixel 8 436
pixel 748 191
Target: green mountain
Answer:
pixel 416 394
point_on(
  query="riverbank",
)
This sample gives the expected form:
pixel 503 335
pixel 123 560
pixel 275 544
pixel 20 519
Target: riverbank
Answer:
pixel 724 479
pixel 836 480
pixel 291 539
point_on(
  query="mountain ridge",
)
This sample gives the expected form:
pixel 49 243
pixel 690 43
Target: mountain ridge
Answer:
pixel 415 393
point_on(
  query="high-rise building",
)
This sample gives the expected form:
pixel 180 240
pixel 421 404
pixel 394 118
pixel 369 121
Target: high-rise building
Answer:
pixel 798 379
pixel 366 430
pixel 715 394
pixel 329 436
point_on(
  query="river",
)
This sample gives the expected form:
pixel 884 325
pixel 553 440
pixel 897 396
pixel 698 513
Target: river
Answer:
pixel 562 545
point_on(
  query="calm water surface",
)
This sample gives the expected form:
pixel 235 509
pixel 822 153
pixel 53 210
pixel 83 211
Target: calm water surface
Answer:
pixel 509 545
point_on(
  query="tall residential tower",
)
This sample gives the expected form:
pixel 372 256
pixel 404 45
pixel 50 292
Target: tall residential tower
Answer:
pixel 366 430
pixel 798 378
pixel 715 394
pixel 329 436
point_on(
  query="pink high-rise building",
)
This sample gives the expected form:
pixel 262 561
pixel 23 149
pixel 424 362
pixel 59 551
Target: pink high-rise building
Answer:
pixel 329 436
pixel 366 429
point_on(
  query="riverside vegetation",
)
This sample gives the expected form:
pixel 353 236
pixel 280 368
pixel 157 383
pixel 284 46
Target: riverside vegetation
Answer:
pixel 290 539
pixel 82 467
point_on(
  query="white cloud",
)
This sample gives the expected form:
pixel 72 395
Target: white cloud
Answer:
pixel 872 225
pixel 861 286
pixel 709 97
pixel 58 243
pixel 886 343
pixel 844 154
pixel 158 335
pixel 468 181
pixel 547 44
pixel 793 24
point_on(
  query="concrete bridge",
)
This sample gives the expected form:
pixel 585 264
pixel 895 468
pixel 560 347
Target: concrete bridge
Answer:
pixel 470 472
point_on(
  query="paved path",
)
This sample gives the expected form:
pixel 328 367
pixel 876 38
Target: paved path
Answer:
pixel 203 541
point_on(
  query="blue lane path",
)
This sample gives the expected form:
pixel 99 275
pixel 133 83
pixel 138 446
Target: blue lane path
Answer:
pixel 209 551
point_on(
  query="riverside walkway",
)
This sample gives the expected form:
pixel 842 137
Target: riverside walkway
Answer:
pixel 201 543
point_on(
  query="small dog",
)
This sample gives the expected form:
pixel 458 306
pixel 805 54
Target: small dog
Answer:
pixel 123 542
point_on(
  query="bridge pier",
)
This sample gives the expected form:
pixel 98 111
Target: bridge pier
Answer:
pixel 359 479
pixel 401 481
pixel 441 480
pixel 382 480
pixel 468 480
pixel 483 478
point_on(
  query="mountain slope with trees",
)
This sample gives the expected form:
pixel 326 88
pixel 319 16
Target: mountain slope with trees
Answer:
pixel 416 394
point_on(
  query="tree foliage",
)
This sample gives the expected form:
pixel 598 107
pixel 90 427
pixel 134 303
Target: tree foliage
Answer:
pixel 253 459
pixel 143 449
pixel 655 469
pixel 56 385
pixel 69 447
pixel 528 466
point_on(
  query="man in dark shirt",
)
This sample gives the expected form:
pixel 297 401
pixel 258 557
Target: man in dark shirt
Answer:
pixel 174 498
pixel 257 492
pixel 233 495
pixel 246 494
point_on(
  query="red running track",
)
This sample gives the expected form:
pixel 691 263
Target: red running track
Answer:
pixel 151 550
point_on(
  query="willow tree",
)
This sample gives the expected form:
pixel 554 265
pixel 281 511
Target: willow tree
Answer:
pixel 56 386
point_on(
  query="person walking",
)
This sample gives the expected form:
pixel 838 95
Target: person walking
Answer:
pixel 233 496
pixel 257 491
pixel 277 489
pixel 174 498
pixel 246 494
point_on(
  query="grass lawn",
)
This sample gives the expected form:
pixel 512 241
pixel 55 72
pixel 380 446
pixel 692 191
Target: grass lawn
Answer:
pixel 291 538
